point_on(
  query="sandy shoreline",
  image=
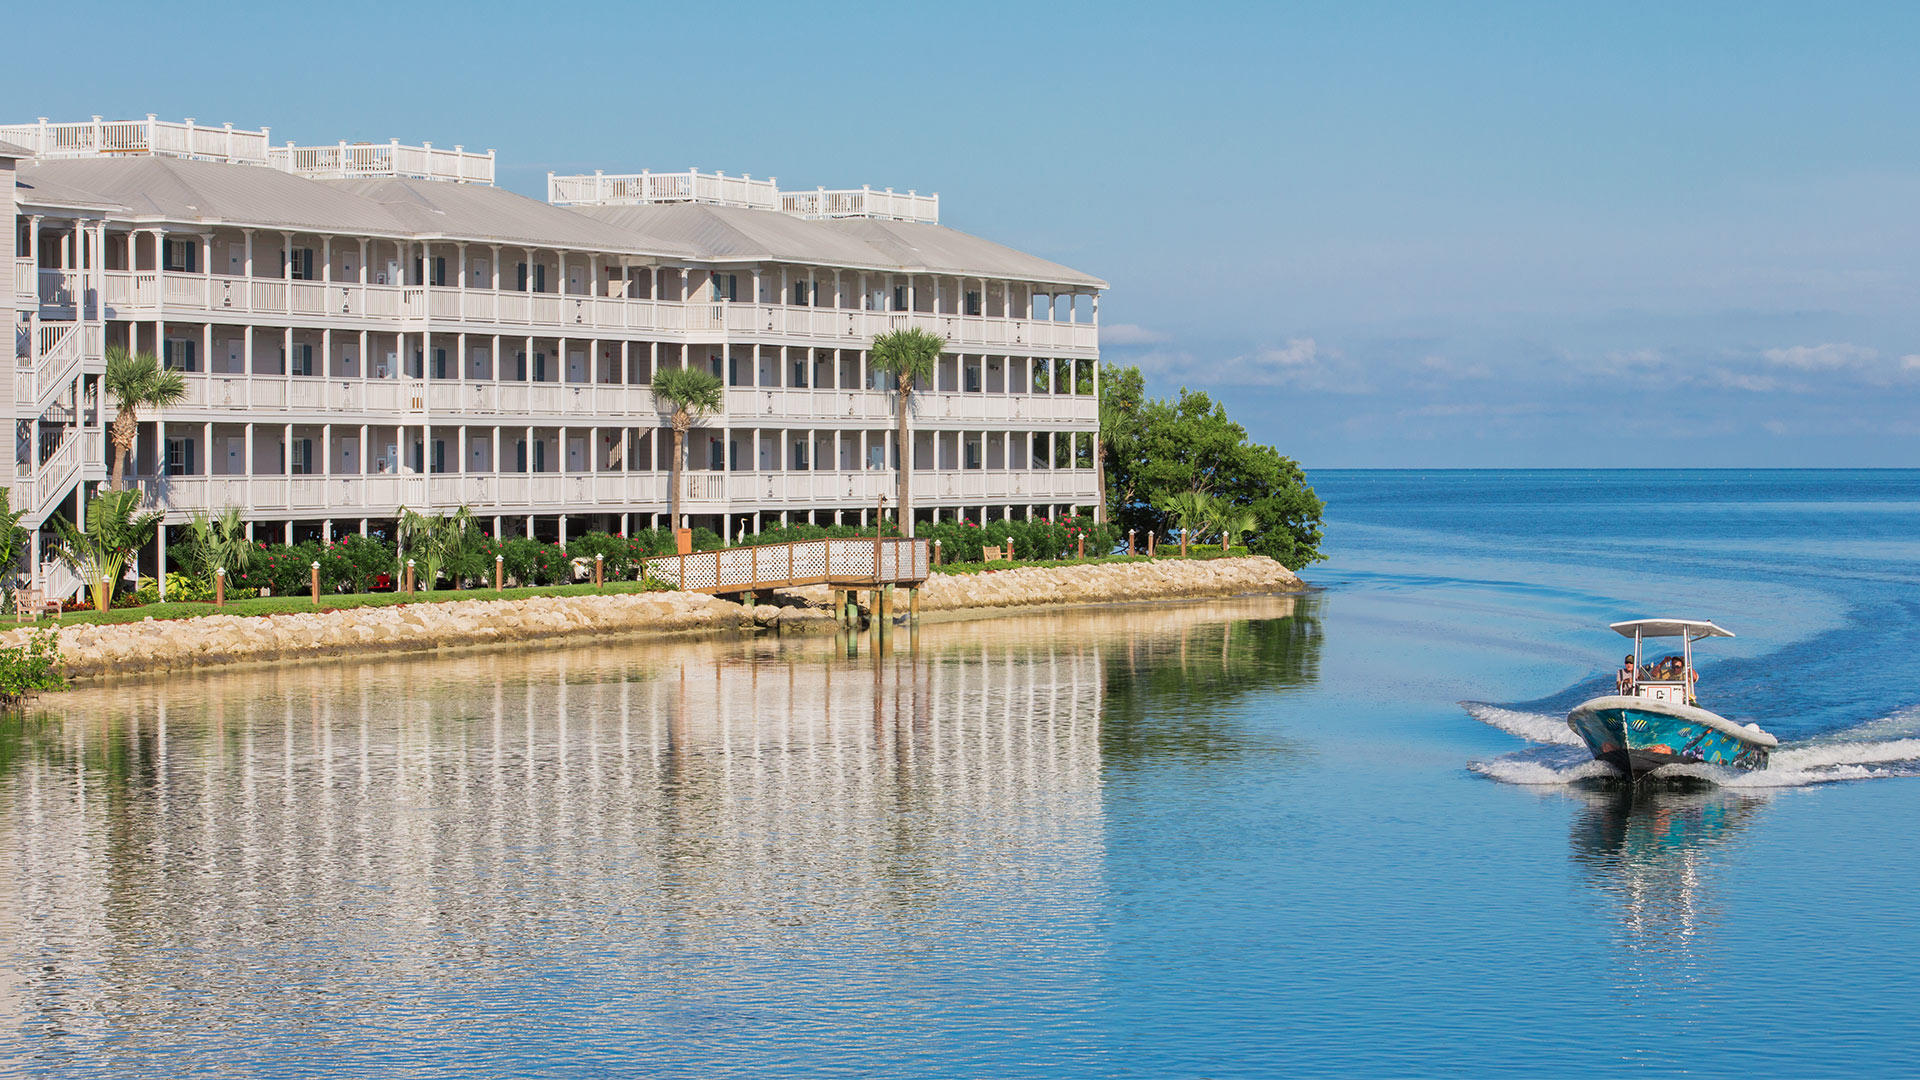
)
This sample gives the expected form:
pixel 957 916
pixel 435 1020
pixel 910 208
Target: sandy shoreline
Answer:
pixel 92 652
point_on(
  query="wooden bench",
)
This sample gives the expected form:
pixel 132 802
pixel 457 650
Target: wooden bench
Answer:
pixel 997 554
pixel 30 604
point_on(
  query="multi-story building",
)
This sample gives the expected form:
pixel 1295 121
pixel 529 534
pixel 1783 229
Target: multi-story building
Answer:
pixel 367 327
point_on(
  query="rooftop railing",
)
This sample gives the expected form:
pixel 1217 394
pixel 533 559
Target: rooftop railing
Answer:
pixel 643 188
pixel 863 202
pixel 165 138
pixel 350 161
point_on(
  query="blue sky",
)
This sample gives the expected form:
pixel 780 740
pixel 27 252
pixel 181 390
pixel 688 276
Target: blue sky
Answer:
pixel 1426 235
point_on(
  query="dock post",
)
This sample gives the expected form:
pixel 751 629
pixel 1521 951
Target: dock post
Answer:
pixel 1150 537
pixel 1129 543
pixel 886 602
pixel 746 598
pixel 913 603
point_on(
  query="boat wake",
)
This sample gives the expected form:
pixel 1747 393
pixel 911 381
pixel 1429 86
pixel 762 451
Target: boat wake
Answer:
pixel 1886 747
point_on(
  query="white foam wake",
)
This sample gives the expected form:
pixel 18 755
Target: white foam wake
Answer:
pixel 1543 728
pixel 1889 746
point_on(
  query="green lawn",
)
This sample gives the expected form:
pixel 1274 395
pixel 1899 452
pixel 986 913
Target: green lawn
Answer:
pixel 278 605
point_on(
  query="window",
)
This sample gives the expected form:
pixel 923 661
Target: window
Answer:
pixel 520 455
pixel 973 302
pixel 182 256
pixel 973 380
pixel 439 363
pixel 800 453
pixel 179 457
pixel 438 266
pixel 899 298
pixel 539 367
pixel 303 457
pixel 539 278
pixel 800 372
pixel 439 455
pixel 302 268
pixel 539 456
pixel 180 354
pixel 973 454
pixel 715 458
pixel 724 286
pixel 301 362
pixel 800 291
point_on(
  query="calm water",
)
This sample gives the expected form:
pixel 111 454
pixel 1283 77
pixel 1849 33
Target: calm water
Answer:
pixel 1260 837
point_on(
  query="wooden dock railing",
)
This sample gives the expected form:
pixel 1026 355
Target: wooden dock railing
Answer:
pixel 848 562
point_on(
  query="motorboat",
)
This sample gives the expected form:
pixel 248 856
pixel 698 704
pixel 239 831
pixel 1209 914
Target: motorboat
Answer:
pixel 1653 719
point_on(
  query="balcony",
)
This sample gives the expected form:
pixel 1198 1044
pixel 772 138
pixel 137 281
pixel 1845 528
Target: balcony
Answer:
pixel 862 202
pixel 212 297
pixel 355 161
pixel 359 495
pixel 644 188
pixel 160 138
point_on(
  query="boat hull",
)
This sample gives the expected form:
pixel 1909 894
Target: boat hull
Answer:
pixel 1638 735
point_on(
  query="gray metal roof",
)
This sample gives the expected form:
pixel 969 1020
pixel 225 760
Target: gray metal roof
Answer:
pixel 737 234
pixel 9 150
pixel 164 189
pixel 941 250
pixel 436 208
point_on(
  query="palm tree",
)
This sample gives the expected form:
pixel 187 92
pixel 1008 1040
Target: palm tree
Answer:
pixel 1196 511
pixel 1236 524
pixel 693 393
pixel 136 381
pixel 218 541
pixel 436 540
pixel 115 531
pixel 908 355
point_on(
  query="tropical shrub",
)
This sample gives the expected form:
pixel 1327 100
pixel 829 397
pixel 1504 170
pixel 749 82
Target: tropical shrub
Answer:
pixel 98 553
pixel 26 670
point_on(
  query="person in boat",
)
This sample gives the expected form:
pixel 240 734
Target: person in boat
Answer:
pixel 1627 676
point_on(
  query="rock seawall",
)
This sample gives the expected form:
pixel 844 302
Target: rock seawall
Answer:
pixel 151 645
pixel 1107 583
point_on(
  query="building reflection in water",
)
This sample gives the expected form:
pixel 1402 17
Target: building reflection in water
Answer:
pixel 472 852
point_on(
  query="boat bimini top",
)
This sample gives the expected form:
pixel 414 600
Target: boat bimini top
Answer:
pixel 1691 629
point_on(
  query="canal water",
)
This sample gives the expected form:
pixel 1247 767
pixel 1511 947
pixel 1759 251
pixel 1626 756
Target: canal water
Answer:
pixel 1337 834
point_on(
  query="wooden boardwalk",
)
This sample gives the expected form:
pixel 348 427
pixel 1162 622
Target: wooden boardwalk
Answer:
pixel 850 564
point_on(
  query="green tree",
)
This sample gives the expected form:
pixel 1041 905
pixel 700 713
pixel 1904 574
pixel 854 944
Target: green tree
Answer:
pixel 909 356
pixel 14 540
pixel 1188 444
pixel 115 530
pixel 136 381
pixel 1122 392
pixel 692 394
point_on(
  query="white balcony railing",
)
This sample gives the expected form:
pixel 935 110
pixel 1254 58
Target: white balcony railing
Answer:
pixel 349 161
pixel 636 189
pixel 195 296
pixel 862 202
pixel 645 491
pixel 165 138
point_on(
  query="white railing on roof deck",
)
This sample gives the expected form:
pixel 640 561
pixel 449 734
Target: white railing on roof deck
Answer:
pixel 164 138
pixel 347 161
pixel 636 189
pixel 863 202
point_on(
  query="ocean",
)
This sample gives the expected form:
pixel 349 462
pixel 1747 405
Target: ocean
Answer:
pixel 1340 834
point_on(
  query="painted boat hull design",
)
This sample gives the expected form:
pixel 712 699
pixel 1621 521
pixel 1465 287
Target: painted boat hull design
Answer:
pixel 1637 735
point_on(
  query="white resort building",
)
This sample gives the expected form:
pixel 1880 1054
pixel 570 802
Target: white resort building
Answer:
pixel 366 327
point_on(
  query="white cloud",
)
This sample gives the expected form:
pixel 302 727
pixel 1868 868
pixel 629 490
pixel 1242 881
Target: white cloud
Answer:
pixel 1740 380
pixel 1129 334
pixel 1453 369
pixel 1910 362
pixel 1299 364
pixel 1828 357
